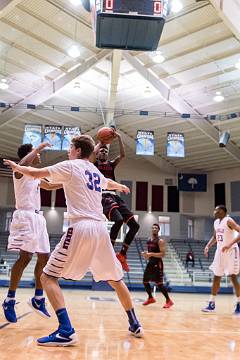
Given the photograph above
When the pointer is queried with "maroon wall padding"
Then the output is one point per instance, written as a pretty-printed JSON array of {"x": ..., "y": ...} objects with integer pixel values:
[
  {"x": 141, "y": 196},
  {"x": 60, "y": 198},
  {"x": 157, "y": 198},
  {"x": 45, "y": 197}
]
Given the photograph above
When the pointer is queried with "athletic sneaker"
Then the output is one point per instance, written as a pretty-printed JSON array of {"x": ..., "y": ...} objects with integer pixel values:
[
  {"x": 210, "y": 308},
  {"x": 39, "y": 306},
  {"x": 123, "y": 261},
  {"x": 168, "y": 304},
  {"x": 9, "y": 311},
  {"x": 59, "y": 337},
  {"x": 149, "y": 301},
  {"x": 237, "y": 309},
  {"x": 136, "y": 330}
]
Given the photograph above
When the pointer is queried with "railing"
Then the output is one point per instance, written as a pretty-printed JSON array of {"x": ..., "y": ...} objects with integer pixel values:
[
  {"x": 139, "y": 248},
  {"x": 175, "y": 261},
  {"x": 198, "y": 278},
  {"x": 4, "y": 268}
]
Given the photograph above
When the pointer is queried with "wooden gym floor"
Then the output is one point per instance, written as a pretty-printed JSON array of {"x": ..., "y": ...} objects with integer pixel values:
[{"x": 182, "y": 332}]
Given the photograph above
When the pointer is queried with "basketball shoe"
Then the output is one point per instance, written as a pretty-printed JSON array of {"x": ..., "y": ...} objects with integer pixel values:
[
  {"x": 9, "y": 311},
  {"x": 136, "y": 330},
  {"x": 123, "y": 261},
  {"x": 59, "y": 337},
  {"x": 149, "y": 301},
  {"x": 210, "y": 307},
  {"x": 39, "y": 306},
  {"x": 168, "y": 304},
  {"x": 237, "y": 309}
]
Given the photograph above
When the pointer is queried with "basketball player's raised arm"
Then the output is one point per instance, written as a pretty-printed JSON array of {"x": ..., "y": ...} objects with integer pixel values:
[
  {"x": 122, "y": 153},
  {"x": 27, "y": 170},
  {"x": 211, "y": 242},
  {"x": 93, "y": 156},
  {"x": 113, "y": 185},
  {"x": 47, "y": 185},
  {"x": 28, "y": 159}
]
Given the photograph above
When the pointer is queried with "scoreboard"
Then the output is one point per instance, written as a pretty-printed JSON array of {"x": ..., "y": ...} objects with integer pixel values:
[
  {"x": 134, "y": 7},
  {"x": 129, "y": 24}
]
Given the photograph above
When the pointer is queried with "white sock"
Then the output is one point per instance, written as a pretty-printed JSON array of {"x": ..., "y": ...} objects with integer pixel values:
[
  {"x": 238, "y": 299},
  {"x": 38, "y": 297},
  {"x": 9, "y": 299},
  {"x": 212, "y": 298}
]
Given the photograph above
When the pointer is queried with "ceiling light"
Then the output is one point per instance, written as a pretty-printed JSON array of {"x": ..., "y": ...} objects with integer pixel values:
[
  {"x": 158, "y": 57},
  {"x": 237, "y": 65},
  {"x": 77, "y": 85},
  {"x": 74, "y": 51},
  {"x": 75, "y": 2},
  {"x": 147, "y": 91},
  {"x": 176, "y": 6},
  {"x": 218, "y": 97},
  {"x": 3, "y": 84}
]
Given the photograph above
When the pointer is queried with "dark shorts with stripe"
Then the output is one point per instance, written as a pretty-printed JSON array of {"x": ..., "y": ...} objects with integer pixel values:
[
  {"x": 154, "y": 272},
  {"x": 112, "y": 201}
]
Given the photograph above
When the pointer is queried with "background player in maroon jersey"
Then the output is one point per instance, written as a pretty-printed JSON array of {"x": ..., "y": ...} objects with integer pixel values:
[
  {"x": 114, "y": 207},
  {"x": 154, "y": 270}
]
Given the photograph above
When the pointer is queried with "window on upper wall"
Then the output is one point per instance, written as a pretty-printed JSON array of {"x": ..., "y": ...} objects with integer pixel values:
[
  {"x": 190, "y": 229},
  {"x": 164, "y": 223},
  {"x": 8, "y": 220}
]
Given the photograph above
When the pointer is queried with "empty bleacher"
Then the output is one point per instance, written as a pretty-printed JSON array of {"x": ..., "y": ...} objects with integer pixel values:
[
  {"x": 175, "y": 270},
  {"x": 200, "y": 273}
]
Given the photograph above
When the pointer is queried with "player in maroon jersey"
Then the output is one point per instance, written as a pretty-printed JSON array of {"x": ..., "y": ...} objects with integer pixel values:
[
  {"x": 114, "y": 207},
  {"x": 154, "y": 270}
]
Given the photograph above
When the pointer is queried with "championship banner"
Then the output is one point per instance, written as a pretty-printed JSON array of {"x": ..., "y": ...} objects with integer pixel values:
[
  {"x": 53, "y": 135},
  {"x": 145, "y": 142},
  {"x": 32, "y": 135},
  {"x": 192, "y": 182},
  {"x": 175, "y": 145},
  {"x": 68, "y": 133}
]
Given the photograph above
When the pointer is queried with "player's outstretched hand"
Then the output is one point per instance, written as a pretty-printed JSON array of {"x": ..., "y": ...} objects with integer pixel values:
[
  {"x": 43, "y": 145},
  {"x": 124, "y": 189},
  {"x": 10, "y": 163},
  {"x": 225, "y": 248}
]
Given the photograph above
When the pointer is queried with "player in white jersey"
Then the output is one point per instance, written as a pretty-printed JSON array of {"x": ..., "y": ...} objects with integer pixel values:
[
  {"x": 28, "y": 232},
  {"x": 225, "y": 262},
  {"x": 86, "y": 245}
]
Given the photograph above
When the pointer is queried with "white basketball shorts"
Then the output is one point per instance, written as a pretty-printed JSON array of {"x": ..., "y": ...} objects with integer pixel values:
[
  {"x": 28, "y": 232},
  {"x": 226, "y": 263},
  {"x": 85, "y": 246}
]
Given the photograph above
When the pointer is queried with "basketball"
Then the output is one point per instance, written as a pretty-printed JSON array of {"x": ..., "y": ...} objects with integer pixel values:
[{"x": 106, "y": 135}]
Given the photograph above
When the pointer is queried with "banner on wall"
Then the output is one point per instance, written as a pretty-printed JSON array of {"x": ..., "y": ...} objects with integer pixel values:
[
  {"x": 68, "y": 133},
  {"x": 192, "y": 182},
  {"x": 32, "y": 134},
  {"x": 53, "y": 135},
  {"x": 175, "y": 144},
  {"x": 145, "y": 142}
]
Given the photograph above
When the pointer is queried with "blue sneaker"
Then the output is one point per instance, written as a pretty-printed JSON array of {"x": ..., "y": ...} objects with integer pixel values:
[
  {"x": 210, "y": 308},
  {"x": 136, "y": 330},
  {"x": 237, "y": 309},
  {"x": 39, "y": 306},
  {"x": 59, "y": 337},
  {"x": 9, "y": 311}
]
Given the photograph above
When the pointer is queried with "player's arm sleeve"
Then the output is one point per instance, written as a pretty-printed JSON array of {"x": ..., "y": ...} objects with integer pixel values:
[
  {"x": 61, "y": 172},
  {"x": 104, "y": 182}
]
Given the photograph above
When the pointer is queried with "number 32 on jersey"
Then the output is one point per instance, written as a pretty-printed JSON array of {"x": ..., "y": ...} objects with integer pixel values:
[{"x": 93, "y": 181}]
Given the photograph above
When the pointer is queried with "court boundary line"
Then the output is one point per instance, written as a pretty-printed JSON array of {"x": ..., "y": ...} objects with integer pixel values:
[{"x": 19, "y": 317}]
